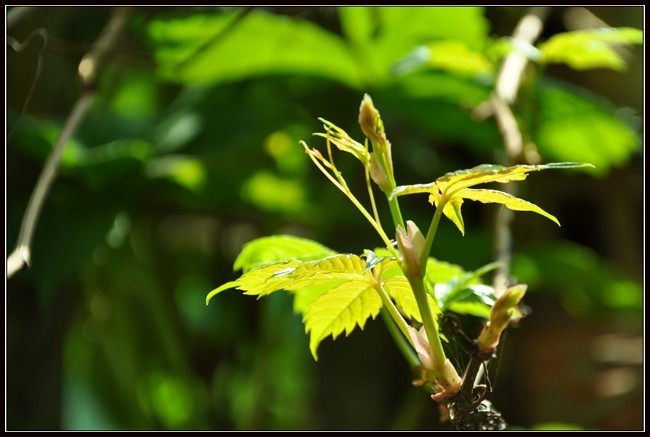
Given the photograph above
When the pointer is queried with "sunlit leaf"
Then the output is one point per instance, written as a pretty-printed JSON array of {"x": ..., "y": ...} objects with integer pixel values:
[
  {"x": 339, "y": 291},
  {"x": 304, "y": 297},
  {"x": 455, "y": 181},
  {"x": 452, "y": 211},
  {"x": 340, "y": 309},
  {"x": 332, "y": 268},
  {"x": 584, "y": 49},
  {"x": 453, "y": 187},
  {"x": 343, "y": 141},
  {"x": 260, "y": 281},
  {"x": 269, "y": 250},
  {"x": 508, "y": 200},
  {"x": 441, "y": 271}
]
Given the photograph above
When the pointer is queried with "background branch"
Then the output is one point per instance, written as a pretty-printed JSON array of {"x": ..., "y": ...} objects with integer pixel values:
[
  {"x": 87, "y": 70},
  {"x": 508, "y": 81}
]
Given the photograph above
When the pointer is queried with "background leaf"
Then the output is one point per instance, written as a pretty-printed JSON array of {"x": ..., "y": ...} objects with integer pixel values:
[
  {"x": 574, "y": 125},
  {"x": 204, "y": 49},
  {"x": 584, "y": 49}
]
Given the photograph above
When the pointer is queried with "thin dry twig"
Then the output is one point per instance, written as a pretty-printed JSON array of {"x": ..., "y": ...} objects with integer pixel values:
[
  {"x": 508, "y": 81},
  {"x": 87, "y": 70}
]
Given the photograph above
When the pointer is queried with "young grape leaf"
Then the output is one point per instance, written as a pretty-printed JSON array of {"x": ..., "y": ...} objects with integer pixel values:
[
  {"x": 294, "y": 275},
  {"x": 451, "y": 188},
  {"x": 340, "y": 309},
  {"x": 343, "y": 307},
  {"x": 336, "y": 293},
  {"x": 304, "y": 297},
  {"x": 276, "y": 248},
  {"x": 510, "y": 201},
  {"x": 344, "y": 142},
  {"x": 260, "y": 281}
]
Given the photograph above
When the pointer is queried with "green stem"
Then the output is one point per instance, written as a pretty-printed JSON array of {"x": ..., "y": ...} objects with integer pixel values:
[
  {"x": 393, "y": 312},
  {"x": 395, "y": 212},
  {"x": 431, "y": 234},
  {"x": 403, "y": 345},
  {"x": 430, "y": 325},
  {"x": 353, "y": 199}
]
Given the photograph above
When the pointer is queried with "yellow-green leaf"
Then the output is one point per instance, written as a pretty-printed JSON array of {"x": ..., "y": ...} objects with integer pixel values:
[
  {"x": 451, "y": 183},
  {"x": 342, "y": 308},
  {"x": 451, "y": 210},
  {"x": 400, "y": 290},
  {"x": 344, "y": 142},
  {"x": 304, "y": 297},
  {"x": 508, "y": 200},
  {"x": 260, "y": 281},
  {"x": 332, "y": 268},
  {"x": 276, "y": 248}
]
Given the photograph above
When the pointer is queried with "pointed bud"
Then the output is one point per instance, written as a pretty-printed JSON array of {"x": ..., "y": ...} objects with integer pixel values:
[
  {"x": 504, "y": 309},
  {"x": 410, "y": 246},
  {"x": 373, "y": 128},
  {"x": 421, "y": 345},
  {"x": 369, "y": 120}
]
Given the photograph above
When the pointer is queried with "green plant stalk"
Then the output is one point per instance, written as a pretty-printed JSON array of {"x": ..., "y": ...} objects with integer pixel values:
[
  {"x": 402, "y": 343},
  {"x": 417, "y": 285},
  {"x": 354, "y": 200},
  {"x": 430, "y": 325},
  {"x": 393, "y": 312},
  {"x": 431, "y": 234},
  {"x": 395, "y": 212}
]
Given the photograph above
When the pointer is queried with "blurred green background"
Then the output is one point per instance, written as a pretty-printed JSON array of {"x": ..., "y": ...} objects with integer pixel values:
[{"x": 190, "y": 149}]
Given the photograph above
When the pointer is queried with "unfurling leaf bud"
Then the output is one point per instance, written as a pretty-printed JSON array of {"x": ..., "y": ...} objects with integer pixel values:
[
  {"x": 410, "y": 246},
  {"x": 504, "y": 309},
  {"x": 369, "y": 120},
  {"x": 373, "y": 128}
]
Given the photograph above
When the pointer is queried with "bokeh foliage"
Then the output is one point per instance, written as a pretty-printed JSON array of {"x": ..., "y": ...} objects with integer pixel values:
[{"x": 191, "y": 149}]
